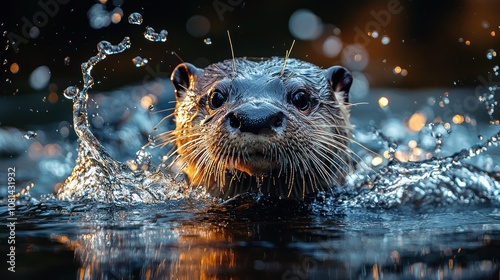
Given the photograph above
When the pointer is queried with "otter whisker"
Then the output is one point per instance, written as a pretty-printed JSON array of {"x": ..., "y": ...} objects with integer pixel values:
[
  {"x": 287, "y": 55},
  {"x": 232, "y": 52},
  {"x": 178, "y": 57}
]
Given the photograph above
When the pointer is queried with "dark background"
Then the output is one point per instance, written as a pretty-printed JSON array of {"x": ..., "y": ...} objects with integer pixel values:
[{"x": 424, "y": 40}]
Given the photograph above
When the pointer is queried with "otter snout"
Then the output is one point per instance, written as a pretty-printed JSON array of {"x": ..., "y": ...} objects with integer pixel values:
[{"x": 257, "y": 118}]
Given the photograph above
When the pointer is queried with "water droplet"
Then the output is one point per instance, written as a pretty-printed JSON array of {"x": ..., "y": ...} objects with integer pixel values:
[
  {"x": 5, "y": 61},
  {"x": 151, "y": 108},
  {"x": 30, "y": 135},
  {"x": 374, "y": 34},
  {"x": 207, "y": 41},
  {"x": 139, "y": 61},
  {"x": 71, "y": 92},
  {"x": 491, "y": 54},
  {"x": 485, "y": 24},
  {"x": 135, "y": 18},
  {"x": 480, "y": 137},
  {"x": 67, "y": 60},
  {"x": 152, "y": 36},
  {"x": 106, "y": 48}
]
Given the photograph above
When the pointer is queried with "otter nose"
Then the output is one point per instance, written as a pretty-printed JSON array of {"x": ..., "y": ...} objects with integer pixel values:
[{"x": 256, "y": 118}]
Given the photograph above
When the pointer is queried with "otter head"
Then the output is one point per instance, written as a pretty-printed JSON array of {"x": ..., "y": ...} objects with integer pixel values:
[{"x": 243, "y": 124}]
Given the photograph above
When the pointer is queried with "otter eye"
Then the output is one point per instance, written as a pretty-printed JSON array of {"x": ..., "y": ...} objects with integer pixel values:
[
  {"x": 301, "y": 100},
  {"x": 217, "y": 99}
]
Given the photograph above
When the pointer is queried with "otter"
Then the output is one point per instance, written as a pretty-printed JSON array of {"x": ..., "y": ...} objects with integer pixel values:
[{"x": 277, "y": 126}]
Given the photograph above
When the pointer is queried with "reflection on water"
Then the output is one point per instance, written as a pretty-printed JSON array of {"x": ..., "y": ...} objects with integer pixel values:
[{"x": 194, "y": 239}]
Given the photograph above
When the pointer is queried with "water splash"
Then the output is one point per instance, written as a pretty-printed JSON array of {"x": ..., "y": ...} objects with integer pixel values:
[
  {"x": 97, "y": 176},
  {"x": 436, "y": 182}
]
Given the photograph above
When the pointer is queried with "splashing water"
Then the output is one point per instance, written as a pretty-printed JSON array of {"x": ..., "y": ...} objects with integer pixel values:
[{"x": 97, "y": 176}]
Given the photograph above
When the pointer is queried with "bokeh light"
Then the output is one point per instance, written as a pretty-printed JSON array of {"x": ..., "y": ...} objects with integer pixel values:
[
  {"x": 14, "y": 68},
  {"x": 383, "y": 101},
  {"x": 305, "y": 25},
  {"x": 458, "y": 119},
  {"x": 332, "y": 46},
  {"x": 40, "y": 77},
  {"x": 148, "y": 100},
  {"x": 354, "y": 57},
  {"x": 198, "y": 26},
  {"x": 417, "y": 122}
]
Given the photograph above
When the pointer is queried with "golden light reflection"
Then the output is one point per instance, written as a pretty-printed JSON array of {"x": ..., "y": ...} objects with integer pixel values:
[
  {"x": 383, "y": 101},
  {"x": 375, "y": 272},
  {"x": 148, "y": 100},
  {"x": 458, "y": 119},
  {"x": 116, "y": 18},
  {"x": 412, "y": 144},
  {"x": 467, "y": 42},
  {"x": 401, "y": 156},
  {"x": 386, "y": 154},
  {"x": 376, "y": 161},
  {"x": 417, "y": 122},
  {"x": 417, "y": 152},
  {"x": 397, "y": 70},
  {"x": 492, "y": 33},
  {"x": 194, "y": 256},
  {"x": 14, "y": 68}
]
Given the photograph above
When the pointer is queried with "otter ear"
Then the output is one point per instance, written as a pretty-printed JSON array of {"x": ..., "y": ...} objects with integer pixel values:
[
  {"x": 340, "y": 80},
  {"x": 183, "y": 78}
]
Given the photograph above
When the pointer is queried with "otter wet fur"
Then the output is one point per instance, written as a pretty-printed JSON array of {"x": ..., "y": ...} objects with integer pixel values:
[{"x": 278, "y": 126}]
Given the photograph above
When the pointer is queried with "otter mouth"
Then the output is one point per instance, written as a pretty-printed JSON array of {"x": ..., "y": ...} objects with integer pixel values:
[{"x": 255, "y": 163}]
